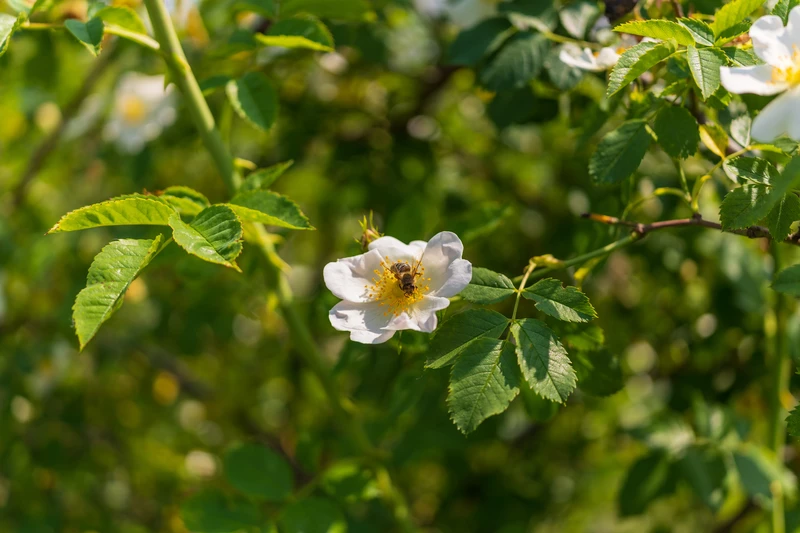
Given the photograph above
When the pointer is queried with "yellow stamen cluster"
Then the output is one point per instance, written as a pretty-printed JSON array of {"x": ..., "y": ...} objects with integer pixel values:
[
  {"x": 133, "y": 109},
  {"x": 790, "y": 74},
  {"x": 387, "y": 290}
]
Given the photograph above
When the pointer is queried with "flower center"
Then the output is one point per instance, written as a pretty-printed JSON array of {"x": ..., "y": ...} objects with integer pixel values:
[
  {"x": 789, "y": 74},
  {"x": 397, "y": 285},
  {"x": 133, "y": 109}
]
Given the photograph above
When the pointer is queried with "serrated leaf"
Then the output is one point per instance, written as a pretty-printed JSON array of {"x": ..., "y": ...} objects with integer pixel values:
[
  {"x": 739, "y": 57},
  {"x": 214, "y": 235},
  {"x": 339, "y": 10},
  {"x": 132, "y": 210},
  {"x": 460, "y": 331},
  {"x": 8, "y": 25},
  {"x": 782, "y": 9},
  {"x": 635, "y": 61},
  {"x": 793, "y": 422},
  {"x": 254, "y": 99},
  {"x": 123, "y": 17},
  {"x": 752, "y": 169},
  {"x": 475, "y": 43},
  {"x": 780, "y": 219},
  {"x": 269, "y": 208},
  {"x": 648, "y": 478},
  {"x": 702, "y": 33},
  {"x": 482, "y": 384},
  {"x": 578, "y": 17},
  {"x": 748, "y": 204},
  {"x": 563, "y": 76},
  {"x": 787, "y": 281},
  {"x": 263, "y": 178},
  {"x": 259, "y": 472},
  {"x": 543, "y": 360},
  {"x": 487, "y": 287},
  {"x": 733, "y": 13},
  {"x": 306, "y": 32},
  {"x": 704, "y": 64},
  {"x": 677, "y": 131},
  {"x": 599, "y": 372},
  {"x": 111, "y": 273},
  {"x": 516, "y": 63},
  {"x": 312, "y": 515},
  {"x": 564, "y": 303},
  {"x": 619, "y": 153},
  {"x": 657, "y": 29},
  {"x": 185, "y": 200},
  {"x": 89, "y": 33},
  {"x": 210, "y": 511}
]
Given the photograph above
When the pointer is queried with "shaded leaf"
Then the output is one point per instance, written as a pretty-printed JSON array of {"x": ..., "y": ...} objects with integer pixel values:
[
  {"x": 340, "y": 9},
  {"x": 677, "y": 131},
  {"x": 780, "y": 219},
  {"x": 635, "y": 61},
  {"x": 132, "y": 210},
  {"x": 89, "y": 34},
  {"x": 482, "y": 384},
  {"x": 269, "y": 208},
  {"x": 487, "y": 287},
  {"x": 647, "y": 479},
  {"x": 259, "y": 472},
  {"x": 111, "y": 273},
  {"x": 475, "y": 43},
  {"x": 748, "y": 204},
  {"x": 8, "y": 25},
  {"x": 263, "y": 178},
  {"x": 758, "y": 469},
  {"x": 793, "y": 422},
  {"x": 577, "y": 17},
  {"x": 254, "y": 99},
  {"x": 461, "y": 330},
  {"x": 564, "y": 303},
  {"x": 619, "y": 153},
  {"x": 312, "y": 515},
  {"x": 543, "y": 360},
  {"x": 787, "y": 281},
  {"x": 214, "y": 235},
  {"x": 516, "y": 63},
  {"x": 705, "y": 64},
  {"x": 598, "y": 372},
  {"x": 210, "y": 511},
  {"x": 705, "y": 471}
]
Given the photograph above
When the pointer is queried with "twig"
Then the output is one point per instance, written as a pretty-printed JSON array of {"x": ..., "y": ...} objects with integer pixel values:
[{"x": 41, "y": 154}]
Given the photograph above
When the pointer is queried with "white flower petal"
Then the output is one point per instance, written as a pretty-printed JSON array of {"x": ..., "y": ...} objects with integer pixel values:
[
  {"x": 346, "y": 277},
  {"x": 442, "y": 262},
  {"x": 607, "y": 58},
  {"x": 780, "y": 117},
  {"x": 370, "y": 337},
  {"x": 792, "y": 35},
  {"x": 395, "y": 249},
  {"x": 350, "y": 316},
  {"x": 421, "y": 316},
  {"x": 753, "y": 80},
  {"x": 573, "y": 56},
  {"x": 771, "y": 42}
]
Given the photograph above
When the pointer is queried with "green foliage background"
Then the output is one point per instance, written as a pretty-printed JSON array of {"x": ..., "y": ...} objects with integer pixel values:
[{"x": 196, "y": 370}]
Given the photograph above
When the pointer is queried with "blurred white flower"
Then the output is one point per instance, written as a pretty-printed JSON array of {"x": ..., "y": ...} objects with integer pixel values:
[
  {"x": 375, "y": 304},
  {"x": 142, "y": 109},
  {"x": 462, "y": 13},
  {"x": 779, "y": 48},
  {"x": 586, "y": 59},
  {"x": 180, "y": 11}
]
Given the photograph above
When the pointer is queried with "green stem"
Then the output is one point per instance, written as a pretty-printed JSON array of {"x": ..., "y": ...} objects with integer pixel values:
[
  {"x": 181, "y": 73},
  {"x": 778, "y": 388},
  {"x": 525, "y": 276}
]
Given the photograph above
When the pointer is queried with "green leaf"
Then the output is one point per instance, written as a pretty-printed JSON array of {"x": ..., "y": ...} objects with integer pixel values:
[
  {"x": 482, "y": 384},
  {"x": 254, "y": 99},
  {"x": 210, "y": 511},
  {"x": 543, "y": 360},
  {"x": 8, "y": 25},
  {"x": 350, "y": 482},
  {"x": 265, "y": 8},
  {"x": 658, "y": 29},
  {"x": 563, "y": 76},
  {"x": 259, "y": 472},
  {"x": 752, "y": 169},
  {"x": 185, "y": 200},
  {"x": 578, "y": 17},
  {"x": 677, "y": 131},
  {"x": 124, "y": 17},
  {"x": 704, "y": 63},
  {"x": 619, "y": 153},
  {"x": 733, "y": 13},
  {"x": 793, "y": 422},
  {"x": 263, "y": 178},
  {"x": 564, "y": 303},
  {"x": 741, "y": 58},
  {"x": 461, "y": 330},
  {"x": 516, "y": 63},
  {"x": 487, "y": 287},
  {"x": 758, "y": 470},
  {"x": 583, "y": 337},
  {"x": 111, "y": 273},
  {"x": 473, "y": 44},
  {"x": 599, "y": 372},
  {"x": 89, "y": 34},
  {"x": 701, "y": 32},
  {"x": 780, "y": 219},
  {"x": 648, "y": 478},
  {"x": 787, "y": 281},
  {"x": 132, "y": 210},
  {"x": 748, "y": 204},
  {"x": 782, "y": 9},
  {"x": 214, "y": 235},
  {"x": 269, "y": 208},
  {"x": 635, "y": 61},
  {"x": 306, "y": 32},
  {"x": 353, "y": 10},
  {"x": 524, "y": 14},
  {"x": 312, "y": 515},
  {"x": 714, "y": 138},
  {"x": 705, "y": 471}
]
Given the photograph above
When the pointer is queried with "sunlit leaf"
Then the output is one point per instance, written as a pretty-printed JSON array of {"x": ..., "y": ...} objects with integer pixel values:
[
  {"x": 129, "y": 210},
  {"x": 563, "y": 303},
  {"x": 269, "y": 208},
  {"x": 214, "y": 235},
  {"x": 543, "y": 360},
  {"x": 306, "y": 32},
  {"x": 487, "y": 287},
  {"x": 658, "y": 29}
]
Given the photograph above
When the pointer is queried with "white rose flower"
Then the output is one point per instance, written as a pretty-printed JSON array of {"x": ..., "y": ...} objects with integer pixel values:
[
  {"x": 374, "y": 303},
  {"x": 585, "y": 59},
  {"x": 142, "y": 109},
  {"x": 779, "y": 48}
]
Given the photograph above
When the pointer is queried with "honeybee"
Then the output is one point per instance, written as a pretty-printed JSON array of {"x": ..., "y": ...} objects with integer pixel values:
[{"x": 406, "y": 276}]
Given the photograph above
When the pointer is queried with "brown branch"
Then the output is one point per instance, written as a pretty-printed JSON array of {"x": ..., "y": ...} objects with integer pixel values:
[{"x": 752, "y": 232}]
